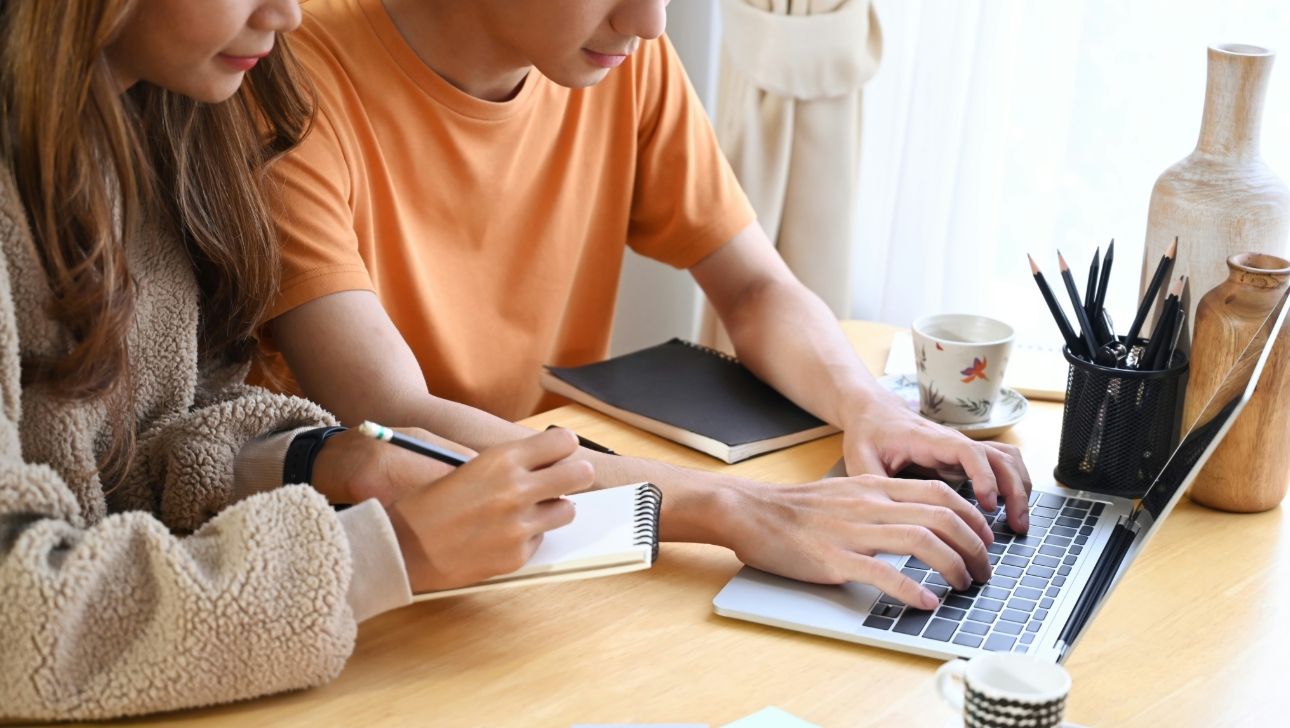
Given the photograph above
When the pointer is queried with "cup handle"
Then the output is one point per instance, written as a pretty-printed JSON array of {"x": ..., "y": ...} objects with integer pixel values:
[{"x": 951, "y": 693}]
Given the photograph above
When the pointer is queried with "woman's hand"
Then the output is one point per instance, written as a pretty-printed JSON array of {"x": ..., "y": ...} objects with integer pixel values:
[
  {"x": 352, "y": 467},
  {"x": 488, "y": 517}
]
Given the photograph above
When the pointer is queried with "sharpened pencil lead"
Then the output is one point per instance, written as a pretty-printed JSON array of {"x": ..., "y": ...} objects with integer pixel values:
[
  {"x": 1034, "y": 268},
  {"x": 1173, "y": 248},
  {"x": 1062, "y": 261}
]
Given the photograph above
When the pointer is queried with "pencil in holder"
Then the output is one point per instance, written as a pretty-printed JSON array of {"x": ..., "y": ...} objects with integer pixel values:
[{"x": 1119, "y": 426}]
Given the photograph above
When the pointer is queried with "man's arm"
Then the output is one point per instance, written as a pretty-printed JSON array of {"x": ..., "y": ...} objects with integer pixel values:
[
  {"x": 347, "y": 355},
  {"x": 787, "y": 336}
]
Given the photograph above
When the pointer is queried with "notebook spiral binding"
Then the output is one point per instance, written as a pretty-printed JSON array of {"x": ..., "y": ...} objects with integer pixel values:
[
  {"x": 708, "y": 349},
  {"x": 649, "y": 505}
]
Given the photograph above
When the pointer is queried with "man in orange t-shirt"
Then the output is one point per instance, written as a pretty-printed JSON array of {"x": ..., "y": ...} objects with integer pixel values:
[{"x": 457, "y": 218}]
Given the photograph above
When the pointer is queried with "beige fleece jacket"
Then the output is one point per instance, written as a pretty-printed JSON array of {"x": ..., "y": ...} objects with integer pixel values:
[{"x": 164, "y": 593}]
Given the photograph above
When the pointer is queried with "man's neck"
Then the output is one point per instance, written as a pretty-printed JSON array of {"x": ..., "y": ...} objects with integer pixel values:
[{"x": 452, "y": 37}]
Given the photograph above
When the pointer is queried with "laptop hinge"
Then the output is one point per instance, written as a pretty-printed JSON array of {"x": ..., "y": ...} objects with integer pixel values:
[{"x": 1112, "y": 556}]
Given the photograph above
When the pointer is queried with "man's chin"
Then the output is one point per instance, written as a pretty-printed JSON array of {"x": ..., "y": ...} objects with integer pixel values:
[{"x": 583, "y": 77}]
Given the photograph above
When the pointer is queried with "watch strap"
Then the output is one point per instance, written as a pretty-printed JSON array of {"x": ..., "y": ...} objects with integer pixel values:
[{"x": 298, "y": 465}]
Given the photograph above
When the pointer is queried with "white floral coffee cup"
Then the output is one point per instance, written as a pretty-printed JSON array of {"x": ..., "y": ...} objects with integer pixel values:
[
  {"x": 961, "y": 359},
  {"x": 1000, "y": 690}
]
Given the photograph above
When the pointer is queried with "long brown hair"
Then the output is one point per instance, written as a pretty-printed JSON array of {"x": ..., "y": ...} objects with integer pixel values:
[{"x": 91, "y": 164}]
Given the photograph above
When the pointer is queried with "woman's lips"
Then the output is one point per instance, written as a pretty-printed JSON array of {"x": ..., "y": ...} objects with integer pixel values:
[
  {"x": 605, "y": 61},
  {"x": 242, "y": 63}
]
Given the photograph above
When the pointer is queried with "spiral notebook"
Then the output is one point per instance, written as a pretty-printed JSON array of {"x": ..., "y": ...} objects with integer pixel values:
[
  {"x": 615, "y": 531},
  {"x": 691, "y": 395}
]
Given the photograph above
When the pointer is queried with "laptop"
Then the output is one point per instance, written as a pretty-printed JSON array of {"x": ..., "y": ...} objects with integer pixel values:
[{"x": 1047, "y": 586}]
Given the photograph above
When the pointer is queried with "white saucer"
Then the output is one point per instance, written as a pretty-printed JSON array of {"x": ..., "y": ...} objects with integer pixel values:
[
  {"x": 957, "y": 722},
  {"x": 1011, "y": 408}
]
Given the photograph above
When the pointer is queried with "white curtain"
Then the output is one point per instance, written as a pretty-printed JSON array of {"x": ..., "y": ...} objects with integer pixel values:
[{"x": 1005, "y": 127}]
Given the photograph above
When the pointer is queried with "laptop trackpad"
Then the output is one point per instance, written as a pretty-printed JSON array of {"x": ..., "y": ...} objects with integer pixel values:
[{"x": 840, "y": 608}]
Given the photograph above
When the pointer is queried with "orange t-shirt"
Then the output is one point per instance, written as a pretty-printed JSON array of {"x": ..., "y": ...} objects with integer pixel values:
[{"x": 492, "y": 233}]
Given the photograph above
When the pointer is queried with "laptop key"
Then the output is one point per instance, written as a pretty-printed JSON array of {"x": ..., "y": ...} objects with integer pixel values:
[
  {"x": 940, "y": 630},
  {"x": 980, "y": 615},
  {"x": 1041, "y": 522},
  {"x": 1012, "y": 615},
  {"x": 1040, "y": 615},
  {"x": 1076, "y": 502},
  {"x": 1026, "y": 592},
  {"x": 1024, "y": 605},
  {"x": 1070, "y": 522},
  {"x": 879, "y": 609},
  {"x": 1033, "y": 627},
  {"x": 914, "y": 563},
  {"x": 889, "y": 599},
  {"x": 1053, "y": 591},
  {"x": 1081, "y": 540},
  {"x": 1014, "y": 560},
  {"x": 994, "y": 592},
  {"x": 1034, "y": 496},
  {"x": 992, "y": 605},
  {"x": 1098, "y": 508},
  {"x": 1064, "y": 570},
  {"x": 1059, "y": 581},
  {"x": 999, "y": 643},
  {"x": 1002, "y": 582},
  {"x": 1043, "y": 572},
  {"x": 914, "y": 574},
  {"x": 1030, "y": 541},
  {"x": 1052, "y": 551},
  {"x": 1048, "y": 561},
  {"x": 1077, "y": 550},
  {"x": 994, "y": 559},
  {"x": 1027, "y": 638},
  {"x": 951, "y": 613},
  {"x": 1036, "y": 531},
  {"x": 936, "y": 579},
  {"x": 1011, "y": 572},
  {"x": 1019, "y": 550},
  {"x": 879, "y": 622},
  {"x": 1022, "y": 649},
  {"x": 937, "y": 589},
  {"x": 1070, "y": 560},
  {"x": 1047, "y": 602},
  {"x": 1058, "y": 541},
  {"x": 1043, "y": 512},
  {"x": 970, "y": 592},
  {"x": 968, "y": 640},
  {"x": 958, "y": 602},
  {"x": 913, "y": 621},
  {"x": 1070, "y": 512},
  {"x": 1086, "y": 531},
  {"x": 1048, "y": 500},
  {"x": 1007, "y": 628},
  {"x": 1034, "y": 582},
  {"x": 974, "y": 628},
  {"x": 996, "y": 548},
  {"x": 1061, "y": 531}
]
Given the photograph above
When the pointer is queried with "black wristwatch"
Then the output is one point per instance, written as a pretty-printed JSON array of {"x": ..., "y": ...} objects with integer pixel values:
[{"x": 298, "y": 466}]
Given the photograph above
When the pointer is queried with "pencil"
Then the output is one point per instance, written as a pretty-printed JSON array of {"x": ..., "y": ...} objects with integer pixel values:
[
  {"x": 1090, "y": 295},
  {"x": 1149, "y": 296},
  {"x": 1080, "y": 316},
  {"x": 378, "y": 432},
  {"x": 1073, "y": 343},
  {"x": 1099, "y": 306},
  {"x": 1170, "y": 343},
  {"x": 1164, "y": 327}
]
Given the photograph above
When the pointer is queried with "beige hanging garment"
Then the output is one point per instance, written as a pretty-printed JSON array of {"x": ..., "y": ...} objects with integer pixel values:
[{"x": 788, "y": 119}]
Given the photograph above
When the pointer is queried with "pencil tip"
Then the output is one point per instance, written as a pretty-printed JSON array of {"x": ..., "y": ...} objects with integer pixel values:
[
  {"x": 1173, "y": 248},
  {"x": 1176, "y": 288},
  {"x": 1062, "y": 261},
  {"x": 1034, "y": 268}
]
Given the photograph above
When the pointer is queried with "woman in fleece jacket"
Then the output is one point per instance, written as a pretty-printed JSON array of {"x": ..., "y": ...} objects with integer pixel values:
[{"x": 151, "y": 557}]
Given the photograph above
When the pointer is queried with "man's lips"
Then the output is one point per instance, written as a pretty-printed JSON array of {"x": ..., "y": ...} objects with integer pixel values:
[
  {"x": 604, "y": 60},
  {"x": 242, "y": 63}
]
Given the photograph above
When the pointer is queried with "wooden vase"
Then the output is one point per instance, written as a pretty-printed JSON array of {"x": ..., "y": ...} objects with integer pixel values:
[
  {"x": 1250, "y": 470},
  {"x": 1221, "y": 199}
]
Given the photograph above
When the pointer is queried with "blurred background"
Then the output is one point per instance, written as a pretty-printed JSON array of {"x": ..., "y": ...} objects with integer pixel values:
[{"x": 994, "y": 129}]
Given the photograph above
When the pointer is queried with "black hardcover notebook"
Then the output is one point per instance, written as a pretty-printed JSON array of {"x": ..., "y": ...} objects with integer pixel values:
[{"x": 692, "y": 395}]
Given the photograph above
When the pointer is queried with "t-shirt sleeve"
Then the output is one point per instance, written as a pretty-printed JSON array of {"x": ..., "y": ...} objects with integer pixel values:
[
  {"x": 315, "y": 220},
  {"x": 686, "y": 202}
]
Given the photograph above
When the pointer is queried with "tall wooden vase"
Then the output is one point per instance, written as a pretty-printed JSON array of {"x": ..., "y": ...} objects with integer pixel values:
[
  {"x": 1250, "y": 470},
  {"x": 1221, "y": 199}
]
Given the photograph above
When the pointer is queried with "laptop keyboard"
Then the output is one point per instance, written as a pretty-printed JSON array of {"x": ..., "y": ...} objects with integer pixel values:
[{"x": 1004, "y": 614}]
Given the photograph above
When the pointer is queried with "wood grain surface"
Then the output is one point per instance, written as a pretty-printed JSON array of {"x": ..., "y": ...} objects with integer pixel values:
[{"x": 1195, "y": 636}]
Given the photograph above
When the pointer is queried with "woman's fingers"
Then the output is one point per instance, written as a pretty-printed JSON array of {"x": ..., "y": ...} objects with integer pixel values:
[
  {"x": 935, "y": 536},
  {"x": 889, "y": 580},
  {"x": 1014, "y": 483},
  {"x": 552, "y": 514},
  {"x": 573, "y": 476}
]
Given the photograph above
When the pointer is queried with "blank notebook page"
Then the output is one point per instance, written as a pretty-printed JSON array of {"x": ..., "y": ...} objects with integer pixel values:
[{"x": 602, "y": 532}]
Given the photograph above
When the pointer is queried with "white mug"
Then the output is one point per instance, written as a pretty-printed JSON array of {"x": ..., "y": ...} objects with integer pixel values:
[
  {"x": 1005, "y": 690},
  {"x": 961, "y": 359}
]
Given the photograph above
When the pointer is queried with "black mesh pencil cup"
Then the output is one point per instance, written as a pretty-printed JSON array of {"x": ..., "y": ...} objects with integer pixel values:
[{"x": 1119, "y": 426}]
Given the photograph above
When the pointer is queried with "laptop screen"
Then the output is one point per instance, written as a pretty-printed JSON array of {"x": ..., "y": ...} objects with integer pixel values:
[{"x": 1217, "y": 412}]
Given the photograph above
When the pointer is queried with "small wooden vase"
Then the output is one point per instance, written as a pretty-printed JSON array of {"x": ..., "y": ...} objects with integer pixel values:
[
  {"x": 1221, "y": 199},
  {"x": 1250, "y": 470}
]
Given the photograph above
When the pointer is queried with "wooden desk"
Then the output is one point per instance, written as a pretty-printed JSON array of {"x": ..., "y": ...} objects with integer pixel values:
[{"x": 1172, "y": 648}]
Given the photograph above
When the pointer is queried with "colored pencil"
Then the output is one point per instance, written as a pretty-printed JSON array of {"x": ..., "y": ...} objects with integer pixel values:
[
  {"x": 378, "y": 432},
  {"x": 1086, "y": 329},
  {"x": 1073, "y": 343},
  {"x": 1149, "y": 296}
]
